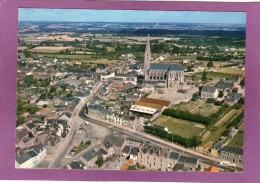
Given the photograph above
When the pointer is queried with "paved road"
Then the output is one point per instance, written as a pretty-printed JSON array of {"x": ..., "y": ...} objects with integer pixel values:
[
  {"x": 155, "y": 141},
  {"x": 76, "y": 122}
]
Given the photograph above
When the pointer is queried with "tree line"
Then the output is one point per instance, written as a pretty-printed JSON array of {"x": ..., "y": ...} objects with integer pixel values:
[{"x": 187, "y": 142}]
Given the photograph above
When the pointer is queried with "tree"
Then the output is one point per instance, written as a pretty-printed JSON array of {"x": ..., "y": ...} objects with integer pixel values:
[
  {"x": 52, "y": 89},
  {"x": 210, "y": 64},
  {"x": 204, "y": 77},
  {"x": 221, "y": 94},
  {"x": 99, "y": 161},
  {"x": 30, "y": 135}
]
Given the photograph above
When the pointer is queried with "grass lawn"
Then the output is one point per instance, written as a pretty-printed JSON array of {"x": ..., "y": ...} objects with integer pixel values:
[
  {"x": 198, "y": 106},
  {"x": 82, "y": 146},
  {"x": 180, "y": 127},
  {"x": 241, "y": 127},
  {"x": 237, "y": 141},
  {"x": 183, "y": 57},
  {"x": 214, "y": 75}
]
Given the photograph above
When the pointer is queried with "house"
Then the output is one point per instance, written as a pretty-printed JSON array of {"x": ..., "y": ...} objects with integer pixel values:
[
  {"x": 31, "y": 158},
  {"x": 232, "y": 98},
  {"x": 153, "y": 157},
  {"x": 21, "y": 134},
  {"x": 232, "y": 154},
  {"x": 102, "y": 153},
  {"x": 215, "y": 150},
  {"x": 108, "y": 147},
  {"x": 205, "y": 148},
  {"x": 173, "y": 159},
  {"x": 82, "y": 95},
  {"x": 76, "y": 165},
  {"x": 90, "y": 158},
  {"x": 126, "y": 151},
  {"x": 117, "y": 143},
  {"x": 188, "y": 163},
  {"x": 66, "y": 116},
  {"x": 41, "y": 103},
  {"x": 106, "y": 76},
  {"x": 44, "y": 112},
  {"x": 128, "y": 78},
  {"x": 97, "y": 110},
  {"x": 224, "y": 85},
  {"x": 134, "y": 154},
  {"x": 50, "y": 140},
  {"x": 209, "y": 92}
]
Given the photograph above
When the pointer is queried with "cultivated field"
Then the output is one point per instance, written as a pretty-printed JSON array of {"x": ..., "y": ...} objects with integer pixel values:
[
  {"x": 232, "y": 71},
  {"x": 199, "y": 106},
  {"x": 49, "y": 49},
  {"x": 143, "y": 38},
  {"x": 214, "y": 75},
  {"x": 39, "y": 38},
  {"x": 180, "y": 127}
]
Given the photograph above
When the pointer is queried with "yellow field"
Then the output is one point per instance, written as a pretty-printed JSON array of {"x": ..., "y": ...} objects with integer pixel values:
[
  {"x": 54, "y": 37},
  {"x": 232, "y": 71},
  {"x": 49, "y": 49}
]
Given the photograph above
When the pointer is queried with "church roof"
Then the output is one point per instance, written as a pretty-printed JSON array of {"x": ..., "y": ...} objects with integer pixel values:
[{"x": 166, "y": 66}]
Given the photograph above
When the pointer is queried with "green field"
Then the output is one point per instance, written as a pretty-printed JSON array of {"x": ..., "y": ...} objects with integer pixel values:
[
  {"x": 237, "y": 141},
  {"x": 213, "y": 75},
  {"x": 180, "y": 127},
  {"x": 183, "y": 57}
]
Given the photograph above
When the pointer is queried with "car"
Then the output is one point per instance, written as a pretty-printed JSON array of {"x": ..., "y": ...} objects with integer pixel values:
[
  {"x": 148, "y": 142},
  {"x": 67, "y": 157}
]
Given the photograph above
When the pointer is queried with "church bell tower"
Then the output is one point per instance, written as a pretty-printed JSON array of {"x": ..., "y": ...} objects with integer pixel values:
[{"x": 147, "y": 59}]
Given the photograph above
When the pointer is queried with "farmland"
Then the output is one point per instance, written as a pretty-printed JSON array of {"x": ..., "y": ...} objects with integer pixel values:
[{"x": 199, "y": 106}]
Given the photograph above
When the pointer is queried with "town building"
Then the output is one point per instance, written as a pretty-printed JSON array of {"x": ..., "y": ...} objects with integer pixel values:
[{"x": 172, "y": 74}]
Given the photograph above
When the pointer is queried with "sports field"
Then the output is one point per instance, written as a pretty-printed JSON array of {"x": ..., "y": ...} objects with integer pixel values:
[{"x": 180, "y": 127}]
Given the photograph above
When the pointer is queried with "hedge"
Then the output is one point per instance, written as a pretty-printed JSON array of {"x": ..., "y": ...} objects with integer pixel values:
[{"x": 187, "y": 142}]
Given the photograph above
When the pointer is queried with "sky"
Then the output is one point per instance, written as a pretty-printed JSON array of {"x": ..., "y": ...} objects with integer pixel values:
[{"x": 81, "y": 15}]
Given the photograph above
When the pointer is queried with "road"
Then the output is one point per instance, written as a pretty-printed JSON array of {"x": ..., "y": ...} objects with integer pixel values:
[
  {"x": 76, "y": 122},
  {"x": 158, "y": 142}
]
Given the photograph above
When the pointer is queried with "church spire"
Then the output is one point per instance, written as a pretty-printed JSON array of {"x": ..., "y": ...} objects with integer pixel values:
[{"x": 147, "y": 57}]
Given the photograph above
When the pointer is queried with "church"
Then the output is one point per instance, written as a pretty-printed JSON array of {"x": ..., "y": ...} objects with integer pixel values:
[{"x": 170, "y": 74}]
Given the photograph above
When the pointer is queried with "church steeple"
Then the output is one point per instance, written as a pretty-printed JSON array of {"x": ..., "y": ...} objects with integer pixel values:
[{"x": 147, "y": 57}]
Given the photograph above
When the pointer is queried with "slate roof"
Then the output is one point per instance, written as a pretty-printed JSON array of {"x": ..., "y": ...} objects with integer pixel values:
[
  {"x": 208, "y": 89},
  {"x": 68, "y": 114},
  {"x": 218, "y": 146},
  {"x": 187, "y": 159},
  {"x": 134, "y": 151},
  {"x": 75, "y": 165},
  {"x": 101, "y": 152},
  {"x": 126, "y": 149},
  {"x": 25, "y": 157},
  {"x": 174, "y": 155},
  {"x": 30, "y": 125},
  {"x": 231, "y": 149},
  {"x": 90, "y": 155},
  {"x": 38, "y": 148},
  {"x": 166, "y": 66},
  {"x": 223, "y": 85},
  {"x": 108, "y": 144},
  {"x": 21, "y": 133},
  {"x": 178, "y": 167}
]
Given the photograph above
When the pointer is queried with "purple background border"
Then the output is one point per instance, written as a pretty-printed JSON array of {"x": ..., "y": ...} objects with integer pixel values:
[{"x": 8, "y": 55}]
